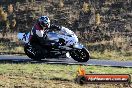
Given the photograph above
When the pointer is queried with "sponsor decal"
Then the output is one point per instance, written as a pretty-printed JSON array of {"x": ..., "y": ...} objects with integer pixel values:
[{"x": 82, "y": 78}]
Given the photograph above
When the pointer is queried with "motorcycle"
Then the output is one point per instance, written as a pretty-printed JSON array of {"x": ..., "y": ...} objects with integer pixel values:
[{"x": 57, "y": 44}]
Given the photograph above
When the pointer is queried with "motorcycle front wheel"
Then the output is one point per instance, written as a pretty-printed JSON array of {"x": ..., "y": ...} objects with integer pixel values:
[{"x": 80, "y": 55}]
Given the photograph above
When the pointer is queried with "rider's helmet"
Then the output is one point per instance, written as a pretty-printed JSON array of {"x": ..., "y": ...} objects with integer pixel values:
[{"x": 44, "y": 21}]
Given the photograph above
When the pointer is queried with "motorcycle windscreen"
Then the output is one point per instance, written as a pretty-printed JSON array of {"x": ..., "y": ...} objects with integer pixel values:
[
  {"x": 23, "y": 37},
  {"x": 52, "y": 36}
]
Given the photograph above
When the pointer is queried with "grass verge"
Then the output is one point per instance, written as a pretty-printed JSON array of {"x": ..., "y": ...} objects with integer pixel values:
[
  {"x": 51, "y": 76},
  {"x": 10, "y": 48},
  {"x": 107, "y": 50},
  {"x": 112, "y": 55}
]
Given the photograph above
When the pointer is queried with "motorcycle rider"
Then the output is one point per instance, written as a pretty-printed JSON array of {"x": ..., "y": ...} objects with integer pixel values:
[{"x": 39, "y": 29}]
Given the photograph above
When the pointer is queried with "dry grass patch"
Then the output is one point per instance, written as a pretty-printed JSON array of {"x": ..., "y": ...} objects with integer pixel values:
[{"x": 52, "y": 76}]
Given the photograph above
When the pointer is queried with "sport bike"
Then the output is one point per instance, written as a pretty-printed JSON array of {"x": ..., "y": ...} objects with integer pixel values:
[{"x": 56, "y": 44}]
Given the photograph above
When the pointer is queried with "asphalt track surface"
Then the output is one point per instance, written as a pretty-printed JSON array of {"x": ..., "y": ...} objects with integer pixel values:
[{"x": 69, "y": 61}]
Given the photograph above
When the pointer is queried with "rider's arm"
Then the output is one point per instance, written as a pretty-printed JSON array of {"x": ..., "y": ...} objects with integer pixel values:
[{"x": 55, "y": 27}]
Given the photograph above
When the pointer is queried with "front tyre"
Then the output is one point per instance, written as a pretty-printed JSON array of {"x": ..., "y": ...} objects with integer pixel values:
[{"x": 80, "y": 55}]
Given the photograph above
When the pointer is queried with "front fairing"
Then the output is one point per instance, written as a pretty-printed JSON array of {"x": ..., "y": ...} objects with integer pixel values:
[
  {"x": 66, "y": 34},
  {"x": 78, "y": 46}
]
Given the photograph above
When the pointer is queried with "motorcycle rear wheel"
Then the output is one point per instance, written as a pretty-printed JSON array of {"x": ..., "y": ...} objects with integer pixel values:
[
  {"x": 80, "y": 55},
  {"x": 32, "y": 53}
]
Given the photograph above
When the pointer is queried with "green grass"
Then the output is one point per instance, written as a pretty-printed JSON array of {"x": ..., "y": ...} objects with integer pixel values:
[{"x": 51, "y": 76}]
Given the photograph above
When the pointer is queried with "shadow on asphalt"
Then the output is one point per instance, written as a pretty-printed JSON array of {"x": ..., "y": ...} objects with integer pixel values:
[
  {"x": 28, "y": 61},
  {"x": 5, "y": 59}
]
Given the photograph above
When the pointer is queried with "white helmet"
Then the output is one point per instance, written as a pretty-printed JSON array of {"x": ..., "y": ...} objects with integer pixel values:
[{"x": 44, "y": 21}]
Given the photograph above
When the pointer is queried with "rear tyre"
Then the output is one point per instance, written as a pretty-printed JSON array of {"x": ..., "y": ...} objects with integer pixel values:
[
  {"x": 28, "y": 51},
  {"x": 80, "y": 55},
  {"x": 33, "y": 53}
]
